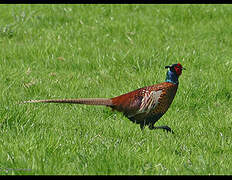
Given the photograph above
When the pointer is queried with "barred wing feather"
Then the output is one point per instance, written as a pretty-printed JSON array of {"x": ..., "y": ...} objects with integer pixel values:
[{"x": 149, "y": 101}]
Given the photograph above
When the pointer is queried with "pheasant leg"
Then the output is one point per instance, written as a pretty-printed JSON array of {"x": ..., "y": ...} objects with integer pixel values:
[{"x": 168, "y": 129}]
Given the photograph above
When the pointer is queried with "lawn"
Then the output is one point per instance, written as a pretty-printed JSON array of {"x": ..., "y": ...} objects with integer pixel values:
[{"x": 75, "y": 51}]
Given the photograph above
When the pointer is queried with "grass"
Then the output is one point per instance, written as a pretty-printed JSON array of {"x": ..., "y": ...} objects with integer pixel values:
[{"x": 74, "y": 51}]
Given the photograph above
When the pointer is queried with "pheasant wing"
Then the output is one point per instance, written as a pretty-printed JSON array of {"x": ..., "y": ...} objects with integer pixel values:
[
  {"x": 149, "y": 101},
  {"x": 140, "y": 101}
]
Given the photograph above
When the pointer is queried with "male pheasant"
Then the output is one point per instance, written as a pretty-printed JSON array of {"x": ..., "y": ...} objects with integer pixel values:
[{"x": 144, "y": 106}]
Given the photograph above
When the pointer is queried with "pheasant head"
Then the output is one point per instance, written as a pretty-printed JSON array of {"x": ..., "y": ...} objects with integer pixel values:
[{"x": 173, "y": 73}]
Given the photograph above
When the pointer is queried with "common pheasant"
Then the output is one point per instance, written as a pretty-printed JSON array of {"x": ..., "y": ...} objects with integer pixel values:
[{"x": 144, "y": 106}]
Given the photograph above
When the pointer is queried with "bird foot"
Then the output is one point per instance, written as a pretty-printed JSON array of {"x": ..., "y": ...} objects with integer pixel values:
[{"x": 168, "y": 129}]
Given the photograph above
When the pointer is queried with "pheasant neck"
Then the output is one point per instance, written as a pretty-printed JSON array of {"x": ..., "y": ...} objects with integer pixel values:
[{"x": 171, "y": 77}]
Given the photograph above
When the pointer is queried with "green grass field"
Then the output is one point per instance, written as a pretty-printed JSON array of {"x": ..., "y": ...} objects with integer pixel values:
[{"x": 75, "y": 51}]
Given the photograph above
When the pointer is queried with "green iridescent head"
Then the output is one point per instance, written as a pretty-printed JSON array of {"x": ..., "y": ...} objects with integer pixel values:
[{"x": 173, "y": 73}]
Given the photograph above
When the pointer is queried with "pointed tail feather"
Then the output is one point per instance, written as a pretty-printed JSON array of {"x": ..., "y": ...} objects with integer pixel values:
[{"x": 87, "y": 101}]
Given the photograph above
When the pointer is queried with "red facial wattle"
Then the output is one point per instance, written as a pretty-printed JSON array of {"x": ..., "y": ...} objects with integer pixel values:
[{"x": 178, "y": 69}]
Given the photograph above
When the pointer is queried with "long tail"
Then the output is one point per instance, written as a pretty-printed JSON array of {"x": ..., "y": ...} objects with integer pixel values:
[{"x": 88, "y": 101}]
